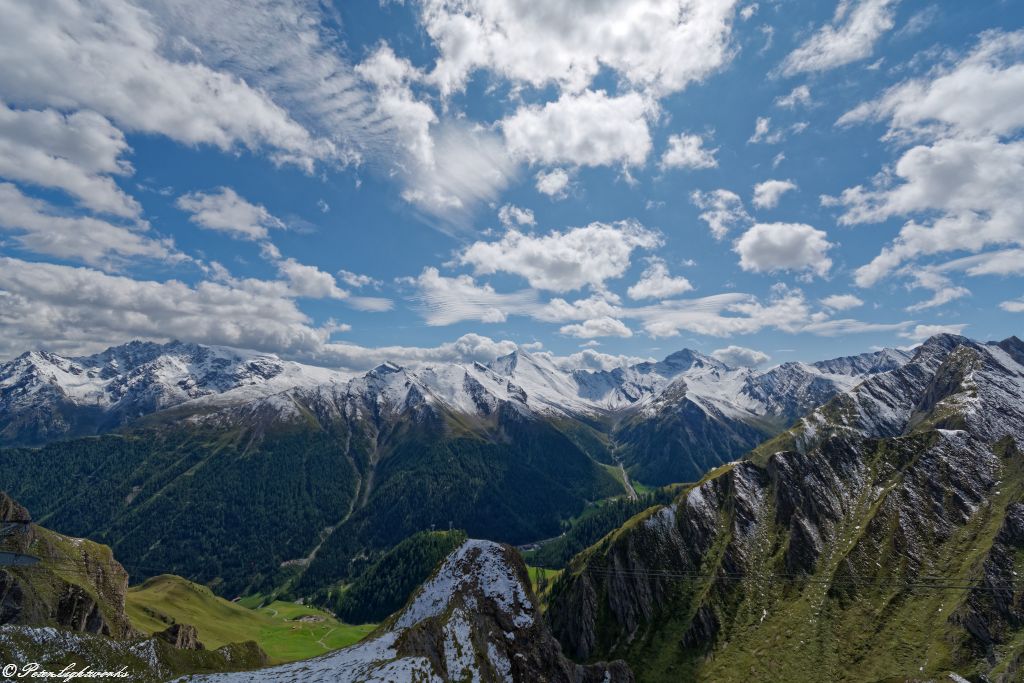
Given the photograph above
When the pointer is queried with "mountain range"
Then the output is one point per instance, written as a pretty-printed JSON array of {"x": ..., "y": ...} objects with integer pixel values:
[
  {"x": 246, "y": 472},
  {"x": 878, "y": 537}
]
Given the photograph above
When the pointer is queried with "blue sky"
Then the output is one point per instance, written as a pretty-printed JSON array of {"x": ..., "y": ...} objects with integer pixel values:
[{"x": 442, "y": 180}]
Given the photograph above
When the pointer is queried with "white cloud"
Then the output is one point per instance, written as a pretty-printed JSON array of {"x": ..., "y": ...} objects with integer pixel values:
[
  {"x": 800, "y": 96},
  {"x": 225, "y": 211},
  {"x": 589, "y": 359},
  {"x": 512, "y": 216},
  {"x": 73, "y": 308},
  {"x": 76, "y": 153},
  {"x": 941, "y": 297},
  {"x": 1013, "y": 305},
  {"x": 768, "y": 193},
  {"x": 850, "y": 37},
  {"x": 922, "y": 332},
  {"x": 1000, "y": 262},
  {"x": 468, "y": 348},
  {"x": 977, "y": 95},
  {"x": 846, "y": 326},
  {"x": 722, "y": 210},
  {"x": 588, "y": 129},
  {"x": 598, "y": 305},
  {"x": 723, "y": 315},
  {"x": 563, "y": 261},
  {"x": 842, "y": 302},
  {"x": 553, "y": 183},
  {"x": 469, "y": 168},
  {"x": 101, "y": 55},
  {"x": 740, "y": 356},
  {"x": 943, "y": 289},
  {"x": 358, "y": 280},
  {"x": 771, "y": 247},
  {"x": 44, "y": 229},
  {"x": 309, "y": 281},
  {"x": 959, "y": 185},
  {"x": 970, "y": 183},
  {"x": 655, "y": 45},
  {"x": 447, "y": 300},
  {"x": 748, "y": 11},
  {"x": 597, "y": 327},
  {"x": 657, "y": 283},
  {"x": 763, "y": 132},
  {"x": 687, "y": 151}
]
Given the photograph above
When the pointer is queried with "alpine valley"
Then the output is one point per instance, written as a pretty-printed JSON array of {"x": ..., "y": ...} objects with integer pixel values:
[{"x": 854, "y": 519}]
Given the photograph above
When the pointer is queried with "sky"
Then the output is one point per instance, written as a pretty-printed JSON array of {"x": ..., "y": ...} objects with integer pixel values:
[{"x": 444, "y": 180}]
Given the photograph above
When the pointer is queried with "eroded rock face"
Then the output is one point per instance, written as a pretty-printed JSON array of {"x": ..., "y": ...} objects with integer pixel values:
[
  {"x": 474, "y": 620},
  {"x": 181, "y": 637},
  {"x": 890, "y": 521},
  {"x": 76, "y": 586}
]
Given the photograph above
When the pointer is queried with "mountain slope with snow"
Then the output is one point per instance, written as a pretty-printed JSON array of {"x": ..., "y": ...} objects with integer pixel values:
[
  {"x": 475, "y": 619},
  {"x": 881, "y": 538}
]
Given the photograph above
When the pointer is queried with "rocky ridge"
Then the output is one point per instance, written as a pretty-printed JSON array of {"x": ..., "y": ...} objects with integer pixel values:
[
  {"x": 880, "y": 538},
  {"x": 475, "y": 619}
]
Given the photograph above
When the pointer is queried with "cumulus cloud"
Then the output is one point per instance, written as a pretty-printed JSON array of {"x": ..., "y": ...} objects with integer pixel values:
[
  {"x": 74, "y": 308},
  {"x": 851, "y": 36},
  {"x": 76, "y": 153},
  {"x": 723, "y": 315},
  {"x": 722, "y": 210},
  {"x": 101, "y": 55},
  {"x": 657, "y": 283},
  {"x": 741, "y": 356},
  {"x": 657, "y": 46},
  {"x": 799, "y": 96},
  {"x": 687, "y": 151},
  {"x": 600, "y": 304},
  {"x": 942, "y": 287},
  {"x": 563, "y": 261},
  {"x": 763, "y": 132},
  {"x": 447, "y": 300},
  {"x": 512, "y": 216},
  {"x": 1013, "y": 305},
  {"x": 553, "y": 183},
  {"x": 959, "y": 185},
  {"x": 970, "y": 183},
  {"x": 842, "y": 302},
  {"x": 357, "y": 280},
  {"x": 309, "y": 281},
  {"x": 597, "y": 327},
  {"x": 771, "y": 247},
  {"x": 977, "y": 95},
  {"x": 45, "y": 229},
  {"x": 768, "y": 193},
  {"x": 919, "y": 333},
  {"x": 588, "y": 129},
  {"x": 224, "y": 211},
  {"x": 589, "y": 359}
]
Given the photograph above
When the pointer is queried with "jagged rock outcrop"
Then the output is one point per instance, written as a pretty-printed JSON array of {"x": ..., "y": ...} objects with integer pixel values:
[
  {"x": 474, "y": 619},
  {"x": 879, "y": 539},
  {"x": 70, "y": 607},
  {"x": 76, "y": 586},
  {"x": 181, "y": 637}
]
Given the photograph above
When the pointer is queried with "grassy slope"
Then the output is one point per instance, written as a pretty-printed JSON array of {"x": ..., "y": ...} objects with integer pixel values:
[
  {"x": 162, "y": 600},
  {"x": 781, "y": 631}
]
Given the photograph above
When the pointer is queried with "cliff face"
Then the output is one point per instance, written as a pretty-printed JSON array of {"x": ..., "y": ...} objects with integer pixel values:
[
  {"x": 474, "y": 619},
  {"x": 76, "y": 586},
  {"x": 879, "y": 538},
  {"x": 69, "y": 608}
]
